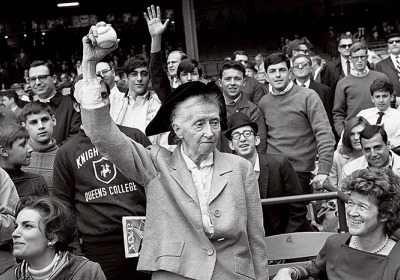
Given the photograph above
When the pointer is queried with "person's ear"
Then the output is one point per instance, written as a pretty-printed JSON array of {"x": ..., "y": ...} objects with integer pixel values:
[
  {"x": 53, "y": 118},
  {"x": 76, "y": 106},
  {"x": 257, "y": 140},
  {"x": 231, "y": 146},
  {"x": 177, "y": 130},
  {"x": 3, "y": 151},
  {"x": 372, "y": 99},
  {"x": 392, "y": 97},
  {"x": 23, "y": 124},
  {"x": 219, "y": 83},
  {"x": 244, "y": 81}
]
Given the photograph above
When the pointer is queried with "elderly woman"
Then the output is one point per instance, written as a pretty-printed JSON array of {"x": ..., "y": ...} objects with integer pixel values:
[
  {"x": 44, "y": 227},
  {"x": 204, "y": 217},
  {"x": 367, "y": 251},
  {"x": 349, "y": 150}
]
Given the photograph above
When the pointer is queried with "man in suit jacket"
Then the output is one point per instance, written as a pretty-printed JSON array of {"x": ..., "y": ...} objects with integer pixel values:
[
  {"x": 302, "y": 71},
  {"x": 276, "y": 177},
  {"x": 390, "y": 66},
  {"x": 340, "y": 67}
]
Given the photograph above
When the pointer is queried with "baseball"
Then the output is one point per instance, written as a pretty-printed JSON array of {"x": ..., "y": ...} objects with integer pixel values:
[{"x": 106, "y": 36}]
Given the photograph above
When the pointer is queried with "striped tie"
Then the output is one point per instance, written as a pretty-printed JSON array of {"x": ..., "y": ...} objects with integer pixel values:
[{"x": 398, "y": 66}]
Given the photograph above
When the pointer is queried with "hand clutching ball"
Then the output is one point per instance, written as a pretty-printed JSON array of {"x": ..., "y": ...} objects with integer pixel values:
[{"x": 106, "y": 36}]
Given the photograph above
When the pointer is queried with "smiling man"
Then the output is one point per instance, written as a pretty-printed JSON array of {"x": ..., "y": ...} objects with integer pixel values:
[
  {"x": 298, "y": 126},
  {"x": 376, "y": 153}
]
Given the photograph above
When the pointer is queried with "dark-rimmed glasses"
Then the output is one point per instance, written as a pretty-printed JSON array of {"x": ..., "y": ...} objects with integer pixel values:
[
  {"x": 246, "y": 133},
  {"x": 41, "y": 78},
  {"x": 345, "y": 46},
  {"x": 103, "y": 72},
  {"x": 394, "y": 41}
]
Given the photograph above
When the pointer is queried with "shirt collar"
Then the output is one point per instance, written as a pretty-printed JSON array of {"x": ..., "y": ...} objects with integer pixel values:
[
  {"x": 307, "y": 83},
  {"x": 233, "y": 102},
  {"x": 359, "y": 74},
  {"x": 46, "y": 100},
  {"x": 289, "y": 87},
  {"x": 208, "y": 161}
]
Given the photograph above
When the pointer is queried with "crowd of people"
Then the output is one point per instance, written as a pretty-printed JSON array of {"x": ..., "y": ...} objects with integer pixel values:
[{"x": 196, "y": 157}]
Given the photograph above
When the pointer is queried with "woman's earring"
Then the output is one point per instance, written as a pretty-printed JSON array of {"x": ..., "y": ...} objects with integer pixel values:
[{"x": 49, "y": 244}]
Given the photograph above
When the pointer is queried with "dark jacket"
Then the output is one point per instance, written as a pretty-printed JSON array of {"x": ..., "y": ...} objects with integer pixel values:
[
  {"x": 387, "y": 67},
  {"x": 332, "y": 73},
  {"x": 278, "y": 178}
]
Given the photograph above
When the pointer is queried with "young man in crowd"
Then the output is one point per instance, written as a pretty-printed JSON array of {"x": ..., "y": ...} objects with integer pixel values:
[
  {"x": 298, "y": 126},
  {"x": 276, "y": 177},
  {"x": 39, "y": 120}
]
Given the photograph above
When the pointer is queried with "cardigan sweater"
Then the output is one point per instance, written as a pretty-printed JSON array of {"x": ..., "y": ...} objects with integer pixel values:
[{"x": 298, "y": 127}]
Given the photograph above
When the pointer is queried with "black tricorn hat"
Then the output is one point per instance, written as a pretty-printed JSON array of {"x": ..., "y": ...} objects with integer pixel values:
[
  {"x": 239, "y": 119},
  {"x": 162, "y": 120}
]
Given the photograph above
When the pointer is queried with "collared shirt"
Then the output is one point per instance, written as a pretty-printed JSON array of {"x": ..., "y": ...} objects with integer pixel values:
[
  {"x": 390, "y": 120},
  {"x": 316, "y": 72},
  {"x": 393, "y": 58},
  {"x": 202, "y": 182},
  {"x": 289, "y": 87},
  {"x": 307, "y": 83},
  {"x": 257, "y": 166},
  {"x": 46, "y": 100},
  {"x": 359, "y": 74},
  {"x": 343, "y": 61},
  {"x": 233, "y": 102}
]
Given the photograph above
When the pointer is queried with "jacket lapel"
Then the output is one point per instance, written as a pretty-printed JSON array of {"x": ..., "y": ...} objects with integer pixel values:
[
  {"x": 263, "y": 179},
  {"x": 181, "y": 173},
  {"x": 218, "y": 182}
]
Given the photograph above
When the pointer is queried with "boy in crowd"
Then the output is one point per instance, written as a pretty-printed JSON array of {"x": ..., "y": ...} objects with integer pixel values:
[
  {"x": 16, "y": 152},
  {"x": 39, "y": 120},
  {"x": 382, "y": 94}
]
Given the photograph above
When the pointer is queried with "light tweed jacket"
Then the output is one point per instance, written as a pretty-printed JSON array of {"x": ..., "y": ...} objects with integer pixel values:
[{"x": 174, "y": 239}]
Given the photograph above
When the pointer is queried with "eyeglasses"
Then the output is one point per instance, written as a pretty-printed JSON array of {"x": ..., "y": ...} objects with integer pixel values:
[
  {"x": 41, "y": 78},
  {"x": 103, "y": 72},
  {"x": 300, "y": 65},
  {"x": 300, "y": 50},
  {"x": 394, "y": 41},
  {"x": 358, "y": 57},
  {"x": 345, "y": 46},
  {"x": 246, "y": 133}
]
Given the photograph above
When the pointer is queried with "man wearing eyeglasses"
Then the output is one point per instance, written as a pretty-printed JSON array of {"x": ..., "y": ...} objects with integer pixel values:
[
  {"x": 353, "y": 91},
  {"x": 276, "y": 177},
  {"x": 42, "y": 81},
  {"x": 391, "y": 65},
  {"x": 339, "y": 68}
]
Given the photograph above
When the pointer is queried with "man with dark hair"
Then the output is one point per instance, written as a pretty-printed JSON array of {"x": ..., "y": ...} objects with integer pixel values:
[
  {"x": 42, "y": 80},
  {"x": 252, "y": 90},
  {"x": 296, "y": 47},
  {"x": 276, "y": 177},
  {"x": 376, "y": 152},
  {"x": 298, "y": 126},
  {"x": 231, "y": 82},
  {"x": 391, "y": 65},
  {"x": 10, "y": 100},
  {"x": 351, "y": 94},
  {"x": 382, "y": 95},
  {"x": 100, "y": 196}
]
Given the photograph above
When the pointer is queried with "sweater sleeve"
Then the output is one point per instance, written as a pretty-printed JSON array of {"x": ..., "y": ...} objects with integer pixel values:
[
  {"x": 323, "y": 133},
  {"x": 158, "y": 76},
  {"x": 339, "y": 108}
]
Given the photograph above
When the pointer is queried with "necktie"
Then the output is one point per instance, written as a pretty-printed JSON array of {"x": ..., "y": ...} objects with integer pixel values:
[
  {"x": 348, "y": 67},
  {"x": 380, "y": 117},
  {"x": 398, "y": 66}
]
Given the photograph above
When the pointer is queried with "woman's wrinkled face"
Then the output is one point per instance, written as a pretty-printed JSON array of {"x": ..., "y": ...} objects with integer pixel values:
[{"x": 197, "y": 123}]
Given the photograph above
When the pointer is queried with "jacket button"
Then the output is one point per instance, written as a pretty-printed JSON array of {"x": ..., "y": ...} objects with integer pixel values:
[
  {"x": 210, "y": 252},
  {"x": 217, "y": 213}
]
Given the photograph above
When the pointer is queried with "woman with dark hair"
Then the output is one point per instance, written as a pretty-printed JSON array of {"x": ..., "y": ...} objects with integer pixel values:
[
  {"x": 349, "y": 150},
  {"x": 44, "y": 228},
  {"x": 368, "y": 250}
]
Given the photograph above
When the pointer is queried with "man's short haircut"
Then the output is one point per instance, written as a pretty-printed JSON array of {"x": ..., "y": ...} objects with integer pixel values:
[
  {"x": 381, "y": 85},
  {"x": 294, "y": 45},
  {"x": 188, "y": 65},
  {"x": 37, "y": 63},
  {"x": 35, "y": 107},
  {"x": 371, "y": 130},
  {"x": 10, "y": 93},
  {"x": 358, "y": 47},
  {"x": 276, "y": 58},
  {"x": 11, "y": 132},
  {"x": 135, "y": 62},
  {"x": 181, "y": 53},
  {"x": 239, "y": 52},
  {"x": 232, "y": 64}
]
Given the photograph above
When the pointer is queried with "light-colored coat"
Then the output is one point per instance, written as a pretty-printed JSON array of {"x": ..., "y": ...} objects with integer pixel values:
[{"x": 174, "y": 239}]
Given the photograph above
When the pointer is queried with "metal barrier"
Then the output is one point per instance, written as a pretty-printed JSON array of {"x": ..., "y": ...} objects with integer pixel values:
[{"x": 333, "y": 193}]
